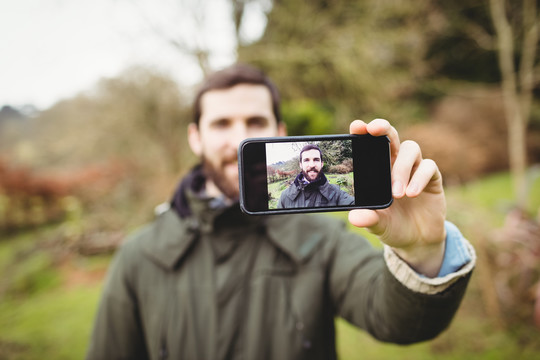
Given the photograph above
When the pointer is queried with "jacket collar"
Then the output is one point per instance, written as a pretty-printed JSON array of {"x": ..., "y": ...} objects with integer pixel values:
[
  {"x": 173, "y": 236},
  {"x": 301, "y": 181},
  {"x": 294, "y": 235},
  {"x": 322, "y": 185},
  {"x": 177, "y": 229}
]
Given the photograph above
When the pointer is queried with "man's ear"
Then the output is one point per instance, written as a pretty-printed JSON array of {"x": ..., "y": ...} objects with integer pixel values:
[
  {"x": 194, "y": 139},
  {"x": 282, "y": 129}
]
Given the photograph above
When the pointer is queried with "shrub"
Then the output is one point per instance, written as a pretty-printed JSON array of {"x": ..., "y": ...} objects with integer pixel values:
[
  {"x": 31, "y": 199},
  {"x": 344, "y": 168}
]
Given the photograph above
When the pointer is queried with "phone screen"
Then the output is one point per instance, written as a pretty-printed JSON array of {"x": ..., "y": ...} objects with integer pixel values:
[{"x": 317, "y": 173}]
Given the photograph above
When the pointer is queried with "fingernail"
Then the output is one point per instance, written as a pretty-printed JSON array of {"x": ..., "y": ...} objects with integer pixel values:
[
  {"x": 397, "y": 188},
  {"x": 412, "y": 189}
]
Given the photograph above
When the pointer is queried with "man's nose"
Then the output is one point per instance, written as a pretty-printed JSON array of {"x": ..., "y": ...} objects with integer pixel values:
[{"x": 238, "y": 133}]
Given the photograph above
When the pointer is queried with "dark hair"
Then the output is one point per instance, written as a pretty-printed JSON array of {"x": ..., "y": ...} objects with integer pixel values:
[
  {"x": 235, "y": 75},
  {"x": 310, "y": 147}
]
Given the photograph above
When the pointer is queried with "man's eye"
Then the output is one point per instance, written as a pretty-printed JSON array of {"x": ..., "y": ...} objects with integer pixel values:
[
  {"x": 258, "y": 122},
  {"x": 220, "y": 124}
]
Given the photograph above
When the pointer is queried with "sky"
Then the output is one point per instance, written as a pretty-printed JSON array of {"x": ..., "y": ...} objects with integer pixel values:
[
  {"x": 55, "y": 49},
  {"x": 282, "y": 151}
]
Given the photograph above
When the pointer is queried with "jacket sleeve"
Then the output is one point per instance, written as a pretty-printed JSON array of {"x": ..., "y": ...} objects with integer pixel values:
[
  {"x": 281, "y": 204},
  {"x": 344, "y": 198},
  {"x": 367, "y": 294},
  {"x": 459, "y": 260},
  {"x": 117, "y": 332}
]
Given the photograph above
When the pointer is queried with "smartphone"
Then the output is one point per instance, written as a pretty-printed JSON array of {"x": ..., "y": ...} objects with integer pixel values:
[{"x": 300, "y": 174}]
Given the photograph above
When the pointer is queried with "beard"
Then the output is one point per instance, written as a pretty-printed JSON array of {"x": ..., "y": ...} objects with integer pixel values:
[
  {"x": 217, "y": 174},
  {"x": 308, "y": 178}
]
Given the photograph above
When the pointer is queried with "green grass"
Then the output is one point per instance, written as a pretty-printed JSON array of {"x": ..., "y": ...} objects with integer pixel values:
[
  {"x": 41, "y": 317},
  {"x": 470, "y": 336},
  {"x": 274, "y": 190},
  {"x": 10, "y": 245},
  {"x": 493, "y": 196},
  {"x": 52, "y": 325}
]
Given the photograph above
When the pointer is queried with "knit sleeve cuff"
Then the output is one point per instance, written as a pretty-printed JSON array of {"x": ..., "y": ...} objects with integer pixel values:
[{"x": 419, "y": 283}]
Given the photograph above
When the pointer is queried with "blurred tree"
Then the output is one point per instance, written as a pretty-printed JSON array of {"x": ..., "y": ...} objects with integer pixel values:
[
  {"x": 335, "y": 152},
  {"x": 144, "y": 102},
  {"x": 121, "y": 142},
  {"x": 187, "y": 35},
  {"x": 517, "y": 35},
  {"x": 364, "y": 58},
  {"x": 389, "y": 59},
  {"x": 471, "y": 37},
  {"x": 64, "y": 135},
  {"x": 461, "y": 44},
  {"x": 192, "y": 26},
  {"x": 307, "y": 117},
  {"x": 139, "y": 116}
]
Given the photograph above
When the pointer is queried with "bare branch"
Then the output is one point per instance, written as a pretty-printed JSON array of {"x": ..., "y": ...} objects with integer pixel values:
[
  {"x": 197, "y": 46},
  {"x": 529, "y": 47},
  {"x": 479, "y": 35},
  {"x": 238, "y": 13},
  {"x": 517, "y": 96},
  {"x": 536, "y": 76},
  {"x": 505, "y": 45}
]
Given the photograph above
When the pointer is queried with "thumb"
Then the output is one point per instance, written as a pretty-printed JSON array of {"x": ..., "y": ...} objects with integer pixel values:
[{"x": 363, "y": 218}]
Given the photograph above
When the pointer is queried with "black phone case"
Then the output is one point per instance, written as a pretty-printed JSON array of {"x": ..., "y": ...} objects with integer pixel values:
[{"x": 241, "y": 169}]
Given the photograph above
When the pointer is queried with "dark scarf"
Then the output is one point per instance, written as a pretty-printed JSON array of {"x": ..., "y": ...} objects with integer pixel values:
[
  {"x": 220, "y": 215},
  {"x": 320, "y": 181},
  {"x": 195, "y": 181}
]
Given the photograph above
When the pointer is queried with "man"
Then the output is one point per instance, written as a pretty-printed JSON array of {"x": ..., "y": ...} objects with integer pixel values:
[
  {"x": 205, "y": 281},
  {"x": 311, "y": 187}
]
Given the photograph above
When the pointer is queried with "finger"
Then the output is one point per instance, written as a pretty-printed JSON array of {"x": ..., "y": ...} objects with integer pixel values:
[
  {"x": 426, "y": 171},
  {"x": 381, "y": 127},
  {"x": 408, "y": 159},
  {"x": 358, "y": 127},
  {"x": 363, "y": 218}
]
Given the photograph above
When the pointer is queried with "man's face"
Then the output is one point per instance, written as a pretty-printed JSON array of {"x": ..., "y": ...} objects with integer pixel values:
[
  {"x": 229, "y": 116},
  {"x": 311, "y": 164}
]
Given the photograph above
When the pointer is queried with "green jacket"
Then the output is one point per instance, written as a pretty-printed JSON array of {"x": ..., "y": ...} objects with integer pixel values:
[
  {"x": 171, "y": 293},
  {"x": 319, "y": 193}
]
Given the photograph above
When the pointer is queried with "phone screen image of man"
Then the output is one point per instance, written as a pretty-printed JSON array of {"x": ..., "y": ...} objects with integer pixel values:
[{"x": 310, "y": 174}]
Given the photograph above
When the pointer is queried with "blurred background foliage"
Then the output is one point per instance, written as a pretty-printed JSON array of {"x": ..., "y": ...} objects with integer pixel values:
[{"x": 77, "y": 177}]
